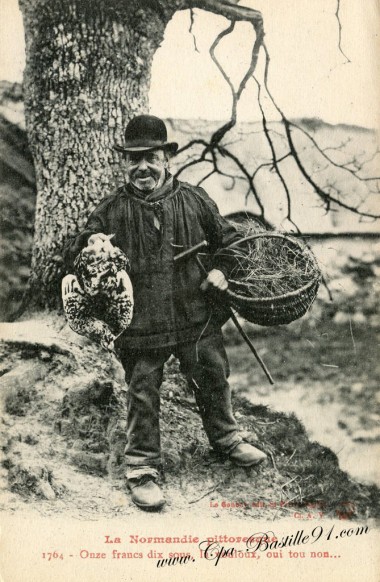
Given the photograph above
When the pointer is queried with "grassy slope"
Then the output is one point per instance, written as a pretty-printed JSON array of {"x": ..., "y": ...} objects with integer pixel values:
[{"x": 64, "y": 440}]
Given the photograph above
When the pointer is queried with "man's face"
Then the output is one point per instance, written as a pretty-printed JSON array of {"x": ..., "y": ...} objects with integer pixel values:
[{"x": 146, "y": 170}]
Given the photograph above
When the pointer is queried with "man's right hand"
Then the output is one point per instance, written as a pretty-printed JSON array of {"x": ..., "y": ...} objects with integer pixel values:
[
  {"x": 97, "y": 236},
  {"x": 100, "y": 243}
]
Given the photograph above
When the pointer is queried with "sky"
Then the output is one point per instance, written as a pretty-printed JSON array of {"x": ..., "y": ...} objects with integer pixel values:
[{"x": 309, "y": 76}]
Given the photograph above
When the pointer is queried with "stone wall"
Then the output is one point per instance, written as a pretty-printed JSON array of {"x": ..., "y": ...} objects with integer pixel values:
[{"x": 351, "y": 267}]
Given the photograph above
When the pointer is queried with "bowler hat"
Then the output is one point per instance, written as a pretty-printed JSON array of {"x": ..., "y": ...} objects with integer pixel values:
[{"x": 146, "y": 132}]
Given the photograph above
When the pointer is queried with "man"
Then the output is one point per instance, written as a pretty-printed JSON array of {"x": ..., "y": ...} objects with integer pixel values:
[{"x": 154, "y": 217}]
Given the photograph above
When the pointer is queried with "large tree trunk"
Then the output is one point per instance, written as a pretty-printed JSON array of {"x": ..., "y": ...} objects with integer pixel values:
[{"x": 88, "y": 71}]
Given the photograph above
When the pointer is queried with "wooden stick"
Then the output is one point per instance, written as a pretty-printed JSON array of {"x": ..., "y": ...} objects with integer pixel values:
[
  {"x": 191, "y": 252},
  {"x": 251, "y": 346}
]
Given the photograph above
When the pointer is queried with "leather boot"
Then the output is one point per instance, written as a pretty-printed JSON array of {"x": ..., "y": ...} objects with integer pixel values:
[
  {"x": 246, "y": 455},
  {"x": 146, "y": 494}
]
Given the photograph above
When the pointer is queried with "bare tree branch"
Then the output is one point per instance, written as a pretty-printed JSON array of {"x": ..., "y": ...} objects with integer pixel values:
[
  {"x": 232, "y": 12},
  {"x": 323, "y": 153},
  {"x": 213, "y": 148},
  {"x": 214, "y": 145},
  {"x": 273, "y": 152},
  {"x": 191, "y": 30},
  {"x": 245, "y": 172},
  {"x": 326, "y": 197},
  {"x": 340, "y": 32},
  {"x": 268, "y": 164},
  {"x": 220, "y": 133},
  {"x": 206, "y": 177}
]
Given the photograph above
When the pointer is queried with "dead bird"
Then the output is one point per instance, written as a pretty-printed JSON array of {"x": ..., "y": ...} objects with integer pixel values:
[{"x": 98, "y": 297}]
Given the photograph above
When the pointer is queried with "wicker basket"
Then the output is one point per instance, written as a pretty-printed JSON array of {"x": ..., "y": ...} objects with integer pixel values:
[{"x": 281, "y": 309}]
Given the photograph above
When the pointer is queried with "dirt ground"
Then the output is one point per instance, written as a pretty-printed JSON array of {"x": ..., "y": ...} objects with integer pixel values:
[
  {"x": 63, "y": 429},
  {"x": 329, "y": 376}
]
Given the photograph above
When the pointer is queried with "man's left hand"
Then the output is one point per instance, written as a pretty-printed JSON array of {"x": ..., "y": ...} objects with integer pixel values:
[{"x": 216, "y": 280}]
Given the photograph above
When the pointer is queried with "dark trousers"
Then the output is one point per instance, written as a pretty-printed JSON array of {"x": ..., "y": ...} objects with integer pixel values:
[{"x": 206, "y": 368}]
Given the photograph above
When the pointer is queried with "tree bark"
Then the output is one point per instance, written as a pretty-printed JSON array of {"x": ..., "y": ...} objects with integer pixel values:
[{"x": 87, "y": 72}]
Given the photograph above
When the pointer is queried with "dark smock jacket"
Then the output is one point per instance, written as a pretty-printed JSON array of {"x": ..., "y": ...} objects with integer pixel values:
[{"x": 169, "y": 307}]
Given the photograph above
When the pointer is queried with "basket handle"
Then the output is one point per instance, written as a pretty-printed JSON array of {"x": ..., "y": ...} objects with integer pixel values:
[{"x": 266, "y": 235}]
